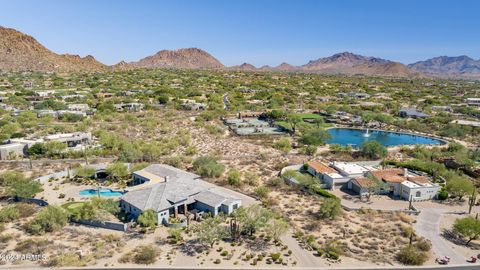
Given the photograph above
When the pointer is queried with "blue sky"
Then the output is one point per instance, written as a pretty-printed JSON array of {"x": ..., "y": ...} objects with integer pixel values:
[{"x": 254, "y": 31}]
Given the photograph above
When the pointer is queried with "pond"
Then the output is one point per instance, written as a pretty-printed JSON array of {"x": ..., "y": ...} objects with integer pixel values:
[
  {"x": 102, "y": 192},
  {"x": 355, "y": 137}
]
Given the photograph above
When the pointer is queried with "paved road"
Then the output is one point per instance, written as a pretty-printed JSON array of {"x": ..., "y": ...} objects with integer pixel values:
[{"x": 428, "y": 226}]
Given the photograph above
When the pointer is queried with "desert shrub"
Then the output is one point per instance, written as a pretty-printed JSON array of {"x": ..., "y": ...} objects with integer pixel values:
[
  {"x": 332, "y": 250},
  {"x": 234, "y": 177},
  {"x": 406, "y": 230},
  {"x": 145, "y": 254},
  {"x": 208, "y": 167},
  {"x": 175, "y": 236},
  {"x": 50, "y": 219},
  {"x": 330, "y": 208},
  {"x": 404, "y": 217},
  {"x": 217, "y": 261},
  {"x": 320, "y": 191},
  {"x": 32, "y": 245},
  {"x": 423, "y": 245},
  {"x": 275, "y": 256},
  {"x": 283, "y": 145},
  {"x": 251, "y": 178},
  {"x": 411, "y": 255},
  {"x": 224, "y": 253},
  {"x": 442, "y": 195},
  {"x": 25, "y": 209},
  {"x": 148, "y": 219},
  {"x": 67, "y": 259},
  {"x": 9, "y": 214},
  {"x": 262, "y": 192}
]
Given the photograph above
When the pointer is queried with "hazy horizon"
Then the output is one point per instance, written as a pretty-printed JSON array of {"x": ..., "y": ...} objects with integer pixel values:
[{"x": 256, "y": 32}]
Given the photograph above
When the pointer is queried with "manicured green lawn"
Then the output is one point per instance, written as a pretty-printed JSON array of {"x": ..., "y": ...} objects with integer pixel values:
[
  {"x": 69, "y": 206},
  {"x": 287, "y": 125}
]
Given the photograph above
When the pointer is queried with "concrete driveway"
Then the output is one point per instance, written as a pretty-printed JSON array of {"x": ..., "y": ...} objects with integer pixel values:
[{"x": 428, "y": 226}]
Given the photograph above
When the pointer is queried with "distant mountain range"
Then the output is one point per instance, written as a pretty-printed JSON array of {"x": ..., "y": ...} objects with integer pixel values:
[
  {"x": 21, "y": 52},
  {"x": 445, "y": 66}
]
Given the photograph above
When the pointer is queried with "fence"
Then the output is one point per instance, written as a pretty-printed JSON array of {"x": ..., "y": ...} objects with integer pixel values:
[{"x": 105, "y": 224}]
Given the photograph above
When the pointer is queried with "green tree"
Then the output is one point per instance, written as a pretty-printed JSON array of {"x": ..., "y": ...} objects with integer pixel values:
[
  {"x": 118, "y": 171},
  {"x": 85, "y": 172},
  {"x": 276, "y": 228},
  {"x": 373, "y": 150},
  {"x": 54, "y": 149},
  {"x": 459, "y": 186},
  {"x": 294, "y": 119},
  {"x": 148, "y": 219},
  {"x": 467, "y": 227},
  {"x": 318, "y": 122},
  {"x": 252, "y": 218},
  {"x": 210, "y": 230},
  {"x": 330, "y": 208},
  {"x": 24, "y": 188},
  {"x": 37, "y": 150},
  {"x": 315, "y": 137}
]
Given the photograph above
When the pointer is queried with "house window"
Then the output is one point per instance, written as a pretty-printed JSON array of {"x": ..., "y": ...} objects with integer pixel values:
[
  {"x": 235, "y": 206},
  {"x": 418, "y": 194}
]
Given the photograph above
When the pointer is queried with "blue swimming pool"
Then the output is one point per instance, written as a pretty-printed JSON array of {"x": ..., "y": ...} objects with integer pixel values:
[
  {"x": 104, "y": 192},
  {"x": 355, "y": 137}
]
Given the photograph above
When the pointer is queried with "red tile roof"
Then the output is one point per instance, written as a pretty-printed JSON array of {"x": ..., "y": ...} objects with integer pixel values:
[
  {"x": 364, "y": 182},
  {"x": 419, "y": 179},
  {"x": 321, "y": 167},
  {"x": 395, "y": 175}
]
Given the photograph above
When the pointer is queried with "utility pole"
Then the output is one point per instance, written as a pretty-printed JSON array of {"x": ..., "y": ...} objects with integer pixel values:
[{"x": 410, "y": 203}]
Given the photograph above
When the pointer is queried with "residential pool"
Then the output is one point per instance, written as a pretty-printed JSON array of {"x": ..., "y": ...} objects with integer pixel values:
[
  {"x": 104, "y": 192},
  {"x": 355, "y": 137}
]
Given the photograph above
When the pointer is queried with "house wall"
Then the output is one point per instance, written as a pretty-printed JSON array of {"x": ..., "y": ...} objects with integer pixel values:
[
  {"x": 397, "y": 189},
  {"x": 425, "y": 193},
  {"x": 206, "y": 208},
  {"x": 130, "y": 209},
  {"x": 333, "y": 182},
  {"x": 312, "y": 171},
  {"x": 162, "y": 217},
  {"x": 228, "y": 209},
  {"x": 7, "y": 151}
]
